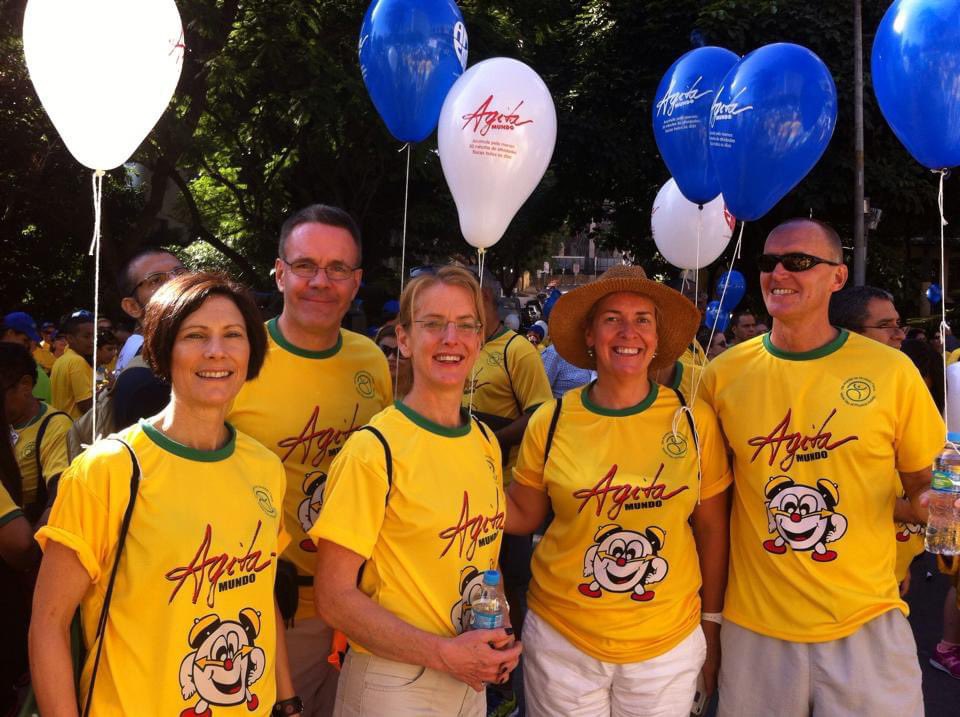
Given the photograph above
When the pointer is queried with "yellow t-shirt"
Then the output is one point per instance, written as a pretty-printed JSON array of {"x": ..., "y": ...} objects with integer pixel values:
[
  {"x": 617, "y": 571},
  {"x": 53, "y": 450},
  {"x": 503, "y": 390},
  {"x": 192, "y": 623},
  {"x": 8, "y": 509},
  {"x": 303, "y": 406},
  {"x": 44, "y": 358},
  {"x": 816, "y": 440},
  {"x": 428, "y": 536},
  {"x": 953, "y": 356},
  {"x": 70, "y": 382}
]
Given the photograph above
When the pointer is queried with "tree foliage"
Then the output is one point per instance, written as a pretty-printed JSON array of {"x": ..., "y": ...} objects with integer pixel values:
[{"x": 271, "y": 114}]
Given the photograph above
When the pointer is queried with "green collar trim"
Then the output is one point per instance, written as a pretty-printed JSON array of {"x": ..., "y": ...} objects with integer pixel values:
[
  {"x": 824, "y": 350},
  {"x": 429, "y": 425},
  {"x": 40, "y": 414},
  {"x": 618, "y": 412},
  {"x": 501, "y": 332},
  {"x": 191, "y": 454},
  {"x": 274, "y": 328},
  {"x": 678, "y": 376}
]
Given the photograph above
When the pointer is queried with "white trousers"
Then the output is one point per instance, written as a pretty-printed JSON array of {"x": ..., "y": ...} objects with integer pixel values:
[{"x": 559, "y": 679}]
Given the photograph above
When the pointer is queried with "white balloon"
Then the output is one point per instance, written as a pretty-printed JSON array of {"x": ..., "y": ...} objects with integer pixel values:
[
  {"x": 104, "y": 70},
  {"x": 675, "y": 221},
  {"x": 497, "y": 130}
]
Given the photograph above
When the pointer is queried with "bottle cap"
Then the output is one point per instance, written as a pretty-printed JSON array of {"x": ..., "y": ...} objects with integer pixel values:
[
  {"x": 491, "y": 577},
  {"x": 954, "y": 437}
]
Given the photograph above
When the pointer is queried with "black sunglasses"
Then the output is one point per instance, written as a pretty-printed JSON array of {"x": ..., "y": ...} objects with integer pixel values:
[
  {"x": 792, "y": 262},
  {"x": 389, "y": 351}
]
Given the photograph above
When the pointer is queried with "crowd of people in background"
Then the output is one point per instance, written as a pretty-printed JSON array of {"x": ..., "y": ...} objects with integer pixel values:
[{"x": 217, "y": 545}]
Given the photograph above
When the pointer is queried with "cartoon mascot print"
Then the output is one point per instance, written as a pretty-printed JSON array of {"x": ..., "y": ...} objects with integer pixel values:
[
  {"x": 624, "y": 561},
  {"x": 471, "y": 584},
  {"x": 803, "y": 517},
  {"x": 224, "y": 664},
  {"x": 905, "y": 530},
  {"x": 313, "y": 484}
]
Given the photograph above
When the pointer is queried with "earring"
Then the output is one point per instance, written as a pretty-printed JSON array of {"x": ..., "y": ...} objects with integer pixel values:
[{"x": 590, "y": 352}]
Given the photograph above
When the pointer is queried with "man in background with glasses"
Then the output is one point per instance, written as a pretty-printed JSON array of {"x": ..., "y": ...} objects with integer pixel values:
[
  {"x": 141, "y": 276},
  {"x": 825, "y": 429},
  {"x": 868, "y": 311},
  {"x": 318, "y": 385}
]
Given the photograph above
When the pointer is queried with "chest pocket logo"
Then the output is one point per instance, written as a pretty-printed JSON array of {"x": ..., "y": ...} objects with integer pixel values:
[
  {"x": 858, "y": 391},
  {"x": 265, "y": 500},
  {"x": 364, "y": 384},
  {"x": 674, "y": 445}
]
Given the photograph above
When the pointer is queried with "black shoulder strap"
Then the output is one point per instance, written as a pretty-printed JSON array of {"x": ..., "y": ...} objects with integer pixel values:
[
  {"x": 387, "y": 454},
  {"x": 482, "y": 428},
  {"x": 693, "y": 430},
  {"x": 506, "y": 367},
  {"x": 104, "y": 611},
  {"x": 552, "y": 429},
  {"x": 42, "y": 493}
]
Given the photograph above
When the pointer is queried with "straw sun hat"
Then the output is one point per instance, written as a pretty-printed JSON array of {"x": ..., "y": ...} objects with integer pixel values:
[{"x": 676, "y": 324}]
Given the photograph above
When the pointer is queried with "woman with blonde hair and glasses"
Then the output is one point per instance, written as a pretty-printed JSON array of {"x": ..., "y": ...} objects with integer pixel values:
[
  {"x": 628, "y": 581},
  {"x": 414, "y": 505}
]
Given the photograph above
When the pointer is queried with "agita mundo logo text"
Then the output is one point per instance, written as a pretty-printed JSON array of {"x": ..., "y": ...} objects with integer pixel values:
[
  {"x": 485, "y": 119},
  {"x": 675, "y": 100},
  {"x": 727, "y": 110}
]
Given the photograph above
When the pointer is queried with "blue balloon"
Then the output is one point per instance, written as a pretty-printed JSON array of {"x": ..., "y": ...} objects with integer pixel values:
[
  {"x": 411, "y": 53},
  {"x": 717, "y": 317},
  {"x": 770, "y": 124},
  {"x": 736, "y": 289},
  {"x": 934, "y": 294},
  {"x": 681, "y": 118},
  {"x": 915, "y": 65}
]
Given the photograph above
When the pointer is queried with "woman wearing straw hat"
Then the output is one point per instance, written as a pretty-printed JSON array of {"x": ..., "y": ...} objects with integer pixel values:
[{"x": 628, "y": 581}]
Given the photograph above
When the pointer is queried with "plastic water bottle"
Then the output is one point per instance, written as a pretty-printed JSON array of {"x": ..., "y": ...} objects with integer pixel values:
[
  {"x": 489, "y": 607},
  {"x": 943, "y": 525}
]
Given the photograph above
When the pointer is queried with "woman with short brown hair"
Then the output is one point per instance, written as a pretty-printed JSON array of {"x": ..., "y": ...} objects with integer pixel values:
[{"x": 166, "y": 537}]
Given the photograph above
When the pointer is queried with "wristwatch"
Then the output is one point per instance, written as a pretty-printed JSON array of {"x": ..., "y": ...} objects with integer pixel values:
[{"x": 290, "y": 706}]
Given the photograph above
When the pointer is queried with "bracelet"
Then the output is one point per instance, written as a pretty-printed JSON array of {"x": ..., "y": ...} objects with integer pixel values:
[
  {"x": 290, "y": 706},
  {"x": 716, "y": 617}
]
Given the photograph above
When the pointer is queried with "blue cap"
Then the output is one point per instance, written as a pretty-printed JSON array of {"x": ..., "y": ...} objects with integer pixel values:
[
  {"x": 22, "y": 323},
  {"x": 953, "y": 437},
  {"x": 491, "y": 577}
]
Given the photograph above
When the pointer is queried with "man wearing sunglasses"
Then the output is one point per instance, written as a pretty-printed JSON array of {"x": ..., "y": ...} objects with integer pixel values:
[
  {"x": 318, "y": 385},
  {"x": 813, "y": 620}
]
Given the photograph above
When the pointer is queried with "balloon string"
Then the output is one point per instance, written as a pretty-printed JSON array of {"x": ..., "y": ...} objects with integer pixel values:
[
  {"x": 481, "y": 260},
  {"x": 97, "y": 181},
  {"x": 723, "y": 294},
  {"x": 943, "y": 302},
  {"x": 403, "y": 252}
]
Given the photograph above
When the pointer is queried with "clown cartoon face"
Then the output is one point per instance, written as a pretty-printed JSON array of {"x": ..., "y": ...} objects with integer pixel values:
[
  {"x": 624, "y": 561},
  {"x": 803, "y": 517},
  {"x": 471, "y": 584},
  {"x": 224, "y": 664},
  {"x": 313, "y": 484}
]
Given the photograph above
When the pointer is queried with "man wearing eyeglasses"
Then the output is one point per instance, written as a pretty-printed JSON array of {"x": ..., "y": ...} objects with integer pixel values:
[
  {"x": 868, "y": 311},
  {"x": 141, "y": 276},
  {"x": 825, "y": 429},
  {"x": 318, "y": 385}
]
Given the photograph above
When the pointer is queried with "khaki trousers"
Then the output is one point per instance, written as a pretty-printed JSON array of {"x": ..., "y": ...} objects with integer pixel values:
[
  {"x": 873, "y": 672},
  {"x": 375, "y": 687}
]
